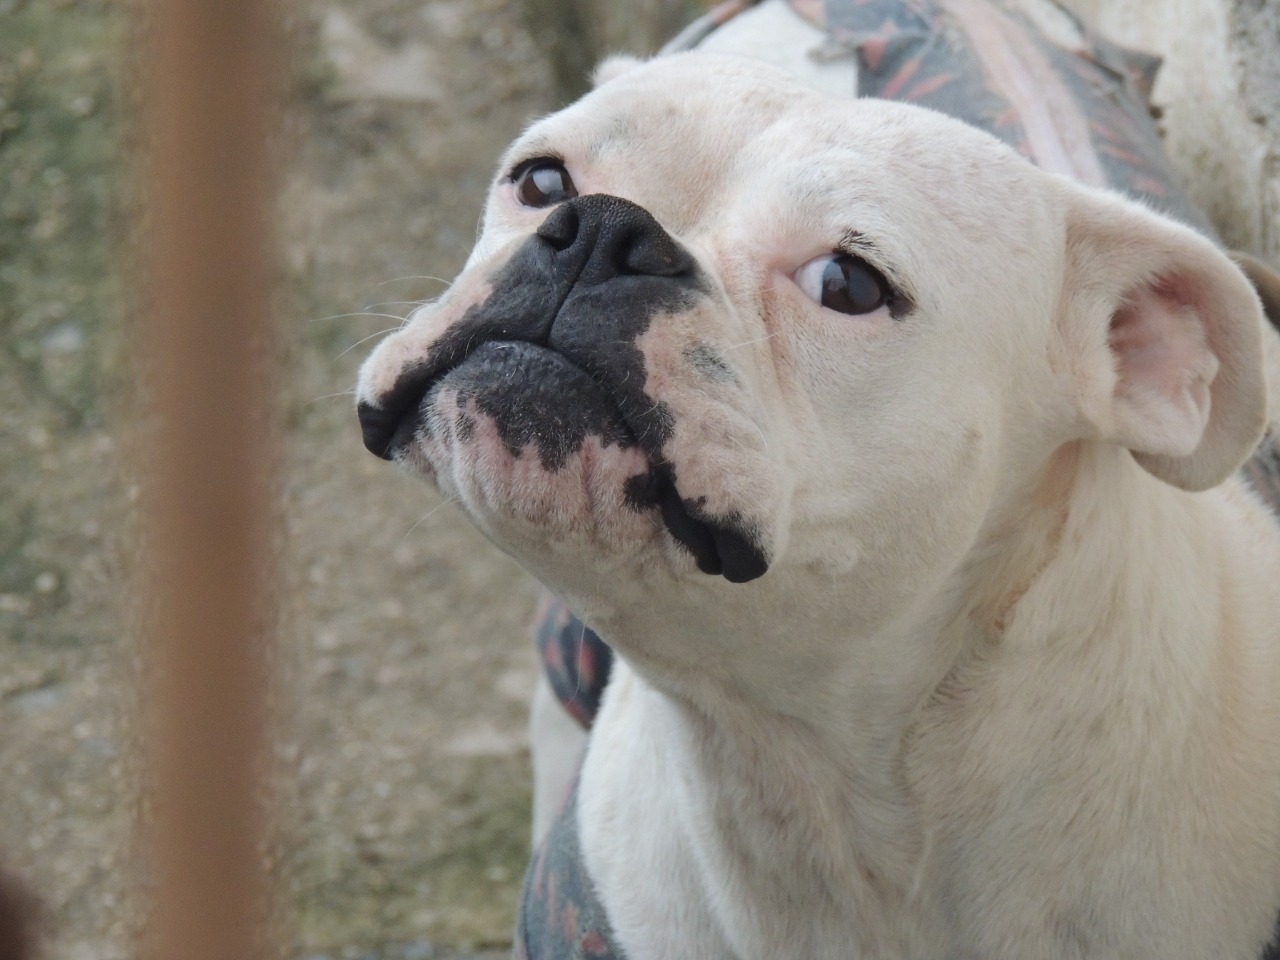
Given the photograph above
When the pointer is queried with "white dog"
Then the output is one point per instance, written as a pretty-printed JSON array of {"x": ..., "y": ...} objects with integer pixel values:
[{"x": 899, "y": 473}]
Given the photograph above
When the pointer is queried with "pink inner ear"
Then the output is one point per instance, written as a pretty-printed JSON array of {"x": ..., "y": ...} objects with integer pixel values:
[
  {"x": 1158, "y": 341},
  {"x": 1164, "y": 367}
]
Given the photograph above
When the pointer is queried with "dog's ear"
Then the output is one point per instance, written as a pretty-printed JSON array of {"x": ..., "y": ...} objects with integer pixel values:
[
  {"x": 613, "y": 66},
  {"x": 1163, "y": 340}
]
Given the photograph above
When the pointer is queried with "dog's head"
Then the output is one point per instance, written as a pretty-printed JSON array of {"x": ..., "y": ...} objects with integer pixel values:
[{"x": 720, "y": 327}]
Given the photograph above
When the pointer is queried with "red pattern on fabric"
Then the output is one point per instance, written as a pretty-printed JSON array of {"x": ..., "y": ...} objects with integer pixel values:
[
  {"x": 928, "y": 86},
  {"x": 893, "y": 87},
  {"x": 874, "y": 49}
]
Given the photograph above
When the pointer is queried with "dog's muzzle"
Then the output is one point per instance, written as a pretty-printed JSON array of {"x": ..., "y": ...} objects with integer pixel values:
[
  {"x": 585, "y": 286},
  {"x": 551, "y": 356}
]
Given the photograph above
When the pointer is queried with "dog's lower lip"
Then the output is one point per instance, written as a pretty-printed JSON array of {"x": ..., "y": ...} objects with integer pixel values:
[
  {"x": 718, "y": 548},
  {"x": 381, "y": 429}
]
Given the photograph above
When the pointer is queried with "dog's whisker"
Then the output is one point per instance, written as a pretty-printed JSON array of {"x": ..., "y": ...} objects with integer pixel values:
[
  {"x": 448, "y": 502},
  {"x": 412, "y": 304},
  {"x": 372, "y": 336},
  {"x": 358, "y": 313},
  {"x": 331, "y": 396},
  {"x": 747, "y": 343},
  {"x": 447, "y": 283}
]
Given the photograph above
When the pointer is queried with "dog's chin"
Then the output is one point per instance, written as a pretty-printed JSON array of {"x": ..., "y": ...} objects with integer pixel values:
[{"x": 542, "y": 459}]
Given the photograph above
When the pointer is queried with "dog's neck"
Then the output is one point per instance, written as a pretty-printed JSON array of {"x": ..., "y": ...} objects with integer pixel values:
[
  {"x": 810, "y": 650},
  {"x": 808, "y": 779}
]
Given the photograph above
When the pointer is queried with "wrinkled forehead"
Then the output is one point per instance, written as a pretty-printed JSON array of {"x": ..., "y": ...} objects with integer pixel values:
[
  {"x": 679, "y": 106},
  {"x": 914, "y": 181},
  {"x": 698, "y": 136}
]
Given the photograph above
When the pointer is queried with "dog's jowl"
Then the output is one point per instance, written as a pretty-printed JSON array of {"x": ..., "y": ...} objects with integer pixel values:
[{"x": 902, "y": 476}]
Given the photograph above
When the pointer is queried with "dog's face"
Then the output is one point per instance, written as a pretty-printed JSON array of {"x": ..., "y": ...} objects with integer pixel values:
[{"x": 720, "y": 328}]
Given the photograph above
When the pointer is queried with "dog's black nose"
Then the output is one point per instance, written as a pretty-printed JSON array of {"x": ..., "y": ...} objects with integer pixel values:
[{"x": 598, "y": 237}]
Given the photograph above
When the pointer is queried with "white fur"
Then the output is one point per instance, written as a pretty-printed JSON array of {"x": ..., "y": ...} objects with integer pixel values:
[
  {"x": 560, "y": 742},
  {"x": 1009, "y": 688},
  {"x": 771, "y": 32}
]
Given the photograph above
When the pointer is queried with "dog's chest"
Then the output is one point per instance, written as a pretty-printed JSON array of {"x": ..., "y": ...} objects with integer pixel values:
[{"x": 813, "y": 870}]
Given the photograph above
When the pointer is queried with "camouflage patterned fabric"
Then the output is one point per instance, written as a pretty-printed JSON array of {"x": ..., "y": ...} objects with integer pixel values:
[
  {"x": 560, "y": 915},
  {"x": 574, "y": 658},
  {"x": 1090, "y": 119},
  {"x": 1100, "y": 130}
]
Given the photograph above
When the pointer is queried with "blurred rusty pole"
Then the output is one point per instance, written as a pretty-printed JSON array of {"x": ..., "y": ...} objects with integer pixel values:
[{"x": 206, "y": 566}]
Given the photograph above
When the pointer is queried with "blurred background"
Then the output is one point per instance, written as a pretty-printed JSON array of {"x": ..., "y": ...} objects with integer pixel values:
[{"x": 403, "y": 674}]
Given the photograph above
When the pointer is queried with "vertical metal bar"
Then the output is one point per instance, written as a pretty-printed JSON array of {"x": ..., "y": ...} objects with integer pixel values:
[{"x": 205, "y": 462}]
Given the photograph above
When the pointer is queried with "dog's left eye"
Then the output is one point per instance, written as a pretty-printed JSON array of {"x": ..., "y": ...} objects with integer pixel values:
[
  {"x": 844, "y": 283},
  {"x": 543, "y": 183}
]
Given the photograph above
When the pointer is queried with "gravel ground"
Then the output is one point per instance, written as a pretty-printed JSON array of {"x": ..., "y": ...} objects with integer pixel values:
[{"x": 402, "y": 794}]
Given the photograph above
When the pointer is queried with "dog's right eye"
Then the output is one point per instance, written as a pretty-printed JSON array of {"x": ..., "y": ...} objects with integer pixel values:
[
  {"x": 543, "y": 183},
  {"x": 844, "y": 283}
]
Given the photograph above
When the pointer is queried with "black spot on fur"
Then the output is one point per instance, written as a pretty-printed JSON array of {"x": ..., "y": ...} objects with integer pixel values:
[
  {"x": 710, "y": 364},
  {"x": 644, "y": 491},
  {"x": 464, "y": 427}
]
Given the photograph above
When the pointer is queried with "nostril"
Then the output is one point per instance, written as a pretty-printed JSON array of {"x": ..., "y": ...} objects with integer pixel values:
[
  {"x": 654, "y": 255},
  {"x": 560, "y": 229},
  {"x": 378, "y": 429},
  {"x": 596, "y": 238}
]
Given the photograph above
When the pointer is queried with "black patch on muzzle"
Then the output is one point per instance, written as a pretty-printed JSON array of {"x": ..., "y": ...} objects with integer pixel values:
[
  {"x": 586, "y": 285},
  {"x": 551, "y": 355},
  {"x": 536, "y": 397}
]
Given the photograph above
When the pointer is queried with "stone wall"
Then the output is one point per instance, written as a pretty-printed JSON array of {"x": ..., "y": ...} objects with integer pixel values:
[{"x": 578, "y": 34}]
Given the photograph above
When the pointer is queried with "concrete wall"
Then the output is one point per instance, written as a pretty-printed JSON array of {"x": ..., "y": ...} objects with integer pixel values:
[{"x": 1220, "y": 90}]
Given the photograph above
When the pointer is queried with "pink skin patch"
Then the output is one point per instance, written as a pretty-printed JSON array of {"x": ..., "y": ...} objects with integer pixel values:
[{"x": 583, "y": 501}]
